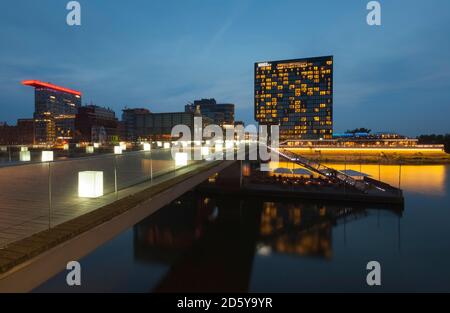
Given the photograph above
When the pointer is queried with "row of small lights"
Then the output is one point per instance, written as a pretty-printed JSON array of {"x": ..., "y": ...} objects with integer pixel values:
[{"x": 90, "y": 183}]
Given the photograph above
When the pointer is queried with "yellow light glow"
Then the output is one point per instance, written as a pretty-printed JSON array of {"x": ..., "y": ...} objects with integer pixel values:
[
  {"x": 90, "y": 149},
  {"x": 90, "y": 184},
  {"x": 66, "y": 147},
  {"x": 167, "y": 145},
  {"x": 96, "y": 145},
  {"x": 23, "y": 149},
  {"x": 123, "y": 146},
  {"x": 159, "y": 144},
  {"x": 117, "y": 150}
]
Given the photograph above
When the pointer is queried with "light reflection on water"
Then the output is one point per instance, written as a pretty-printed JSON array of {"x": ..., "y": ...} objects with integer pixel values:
[{"x": 213, "y": 243}]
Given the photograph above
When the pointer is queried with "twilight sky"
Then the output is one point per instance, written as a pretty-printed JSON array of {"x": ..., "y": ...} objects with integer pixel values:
[{"x": 160, "y": 54}]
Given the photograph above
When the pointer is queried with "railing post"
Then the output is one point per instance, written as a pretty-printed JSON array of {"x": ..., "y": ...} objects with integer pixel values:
[
  {"x": 115, "y": 177},
  {"x": 49, "y": 195}
]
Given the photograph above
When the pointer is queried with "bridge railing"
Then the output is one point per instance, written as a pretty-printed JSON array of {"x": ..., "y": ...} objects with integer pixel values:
[{"x": 40, "y": 195}]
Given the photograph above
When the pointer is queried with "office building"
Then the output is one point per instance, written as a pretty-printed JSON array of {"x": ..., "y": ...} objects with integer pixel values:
[
  {"x": 55, "y": 110},
  {"x": 141, "y": 124},
  {"x": 96, "y": 124},
  {"x": 297, "y": 95},
  {"x": 220, "y": 113}
]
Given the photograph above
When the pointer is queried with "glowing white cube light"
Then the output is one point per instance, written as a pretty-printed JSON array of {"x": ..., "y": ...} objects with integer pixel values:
[
  {"x": 205, "y": 151},
  {"x": 23, "y": 149},
  {"x": 167, "y": 145},
  {"x": 117, "y": 150},
  {"x": 159, "y": 144},
  {"x": 147, "y": 147},
  {"x": 123, "y": 146},
  {"x": 47, "y": 156},
  {"x": 25, "y": 156},
  {"x": 90, "y": 184},
  {"x": 90, "y": 149},
  {"x": 96, "y": 145},
  {"x": 66, "y": 147},
  {"x": 181, "y": 159}
]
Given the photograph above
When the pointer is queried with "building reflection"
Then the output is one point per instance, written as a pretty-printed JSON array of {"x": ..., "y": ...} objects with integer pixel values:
[{"x": 209, "y": 243}]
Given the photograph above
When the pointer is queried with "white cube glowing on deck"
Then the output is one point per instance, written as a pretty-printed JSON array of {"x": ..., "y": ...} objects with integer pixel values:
[
  {"x": 47, "y": 156},
  {"x": 159, "y": 144},
  {"x": 146, "y": 147},
  {"x": 219, "y": 147},
  {"x": 167, "y": 145},
  {"x": 117, "y": 150},
  {"x": 123, "y": 146},
  {"x": 205, "y": 151},
  {"x": 23, "y": 149},
  {"x": 96, "y": 145},
  {"x": 229, "y": 144},
  {"x": 66, "y": 147},
  {"x": 25, "y": 156},
  {"x": 90, "y": 184},
  {"x": 181, "y": 159},
  {"x": 90, "y": 149}
]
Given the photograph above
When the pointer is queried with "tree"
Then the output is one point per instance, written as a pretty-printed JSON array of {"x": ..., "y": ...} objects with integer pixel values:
[{"x": 358, "y": 130}]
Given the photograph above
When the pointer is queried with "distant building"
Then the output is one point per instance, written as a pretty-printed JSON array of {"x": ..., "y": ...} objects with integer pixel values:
[
  {"x": 143, "y": 124},
  {"x": 26, "y": 131},
  {"x": 128, "y": 125},
  {"x": 55, "y": 110},
  {"x": 297, "y": 95},
  {"x": 96, "y": 124},
  {"x": 20, "y": 134},
  {"x": 220, "y": 113}
]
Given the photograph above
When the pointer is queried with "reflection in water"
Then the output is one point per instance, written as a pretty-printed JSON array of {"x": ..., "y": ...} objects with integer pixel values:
[
  {"x": 221, "y": 252},
  {"x": 221, "y": 243}
]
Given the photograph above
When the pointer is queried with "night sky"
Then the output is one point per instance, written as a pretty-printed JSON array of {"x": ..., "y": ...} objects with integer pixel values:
[{"x": 163, "y": 54}]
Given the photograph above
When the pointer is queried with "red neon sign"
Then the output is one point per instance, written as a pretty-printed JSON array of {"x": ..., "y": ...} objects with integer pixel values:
[{"x": 39, "y": 84}]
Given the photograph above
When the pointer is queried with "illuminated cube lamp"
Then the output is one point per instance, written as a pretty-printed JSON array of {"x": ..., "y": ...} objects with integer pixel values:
[
  {"x": 123, "y": 146},
  {"x": 117, "y": 150},
  {"x": 47, "y": 156},
  {"x": 205, "y": 151},
  {"x": 159, "y": 144},
  {"x": 181, "y": 159},
  {"x": 25, "y": 156},
  {"x": 96, "y": 145},
  {"x": 66, "y": 147},
  {"x": 3, "y": 148},
  {"x": 23, "y": 149},
  {"x": 219, "y": 147},
  {"x": 167, "y": 145},
  {"x": 90, "y": 184},
  {"x": 229, "y": 144},
  {"x": 90, "y": 149},
  {"x": 147, "y": 147}
]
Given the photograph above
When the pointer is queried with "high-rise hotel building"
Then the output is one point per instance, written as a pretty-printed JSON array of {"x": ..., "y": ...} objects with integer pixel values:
[
  {"x": 55, "y": 108},
  {"x": 297, "y": 95}
]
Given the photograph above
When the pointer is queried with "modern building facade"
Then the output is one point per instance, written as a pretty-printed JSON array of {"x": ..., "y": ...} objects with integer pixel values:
[
  {"x": 96, "y": 124},
  {"x": 141, "y": 124},
  {"x": 55, "y": 111},
  {"x": 297, "y": 95},
  {"x": 220, "y": 113}
]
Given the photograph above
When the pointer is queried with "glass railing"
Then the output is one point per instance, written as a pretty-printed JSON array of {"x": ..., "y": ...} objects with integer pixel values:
[{"x": 36, "y": 196}]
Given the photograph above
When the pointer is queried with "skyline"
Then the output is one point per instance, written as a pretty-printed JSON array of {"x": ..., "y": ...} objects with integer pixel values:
[{"x": 181, "y": 51}]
